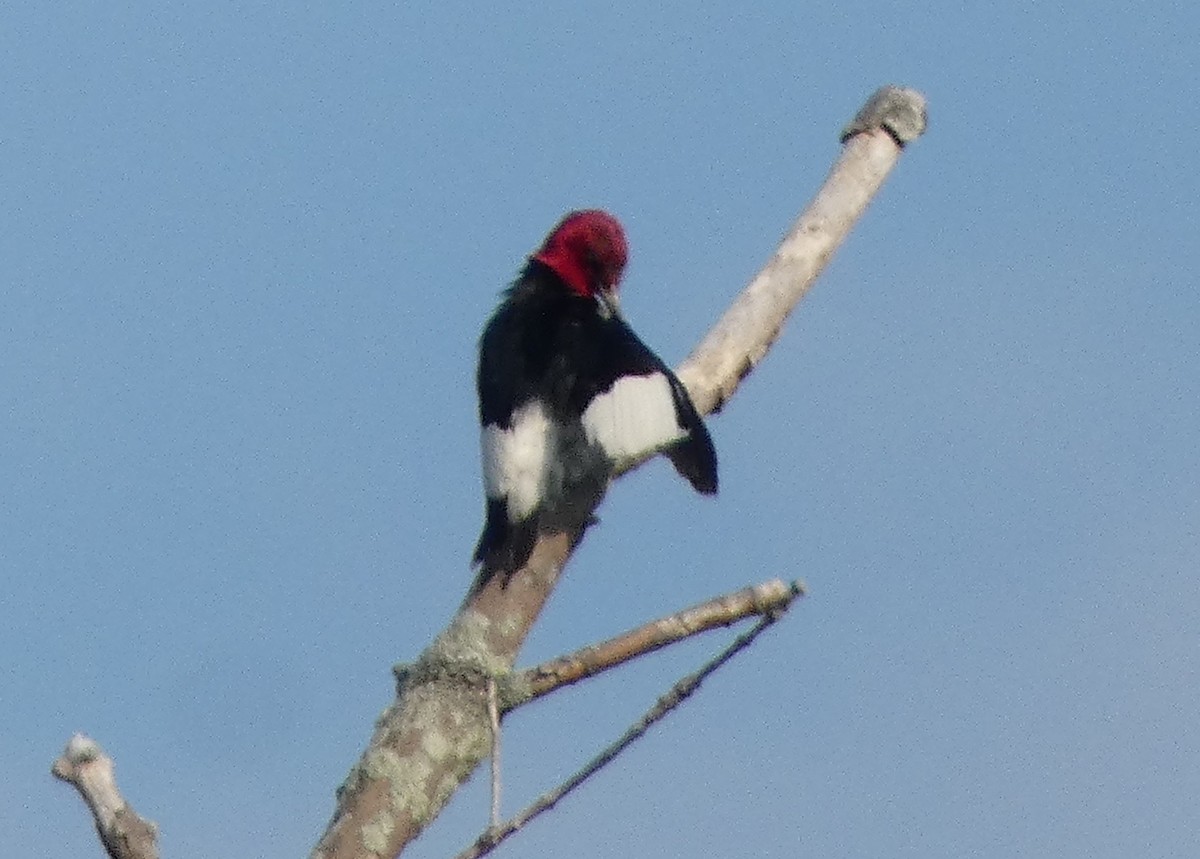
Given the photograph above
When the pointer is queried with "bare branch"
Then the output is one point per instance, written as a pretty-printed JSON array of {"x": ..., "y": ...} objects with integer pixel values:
[
  {"x": 437, "y": 731},
  {"x": 678, "y": 693},
  {"x": 494, "y": 720},
  {"x": 123, "y": 833},
  {"x": 740, "y": 339},
  {"x": 770, "y": 598}
]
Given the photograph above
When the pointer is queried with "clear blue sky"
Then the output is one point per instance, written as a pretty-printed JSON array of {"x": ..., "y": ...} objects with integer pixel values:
[{"x": 245, "y": 254}]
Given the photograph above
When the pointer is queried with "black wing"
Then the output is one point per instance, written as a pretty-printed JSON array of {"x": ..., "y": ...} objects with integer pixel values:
[{"x": 623, "y": 355}]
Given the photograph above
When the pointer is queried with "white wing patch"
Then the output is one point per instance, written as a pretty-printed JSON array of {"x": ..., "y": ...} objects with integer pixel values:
[
  {"x": 634, "y": 417},
  {"x": 514, "y": 459}
]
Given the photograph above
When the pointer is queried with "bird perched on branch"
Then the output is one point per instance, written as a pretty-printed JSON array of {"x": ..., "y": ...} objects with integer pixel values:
[{"x": 568, "y": 394}]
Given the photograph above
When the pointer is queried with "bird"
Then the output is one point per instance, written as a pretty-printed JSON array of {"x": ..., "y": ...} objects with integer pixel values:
[{"x": 568, "y": 395}]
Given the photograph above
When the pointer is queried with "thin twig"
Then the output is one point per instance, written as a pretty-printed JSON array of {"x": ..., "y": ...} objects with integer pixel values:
[
  {"x": 773, "y": 597},
  {"x": 494, "y": 716},
  {"x": 680, "y": 692}
]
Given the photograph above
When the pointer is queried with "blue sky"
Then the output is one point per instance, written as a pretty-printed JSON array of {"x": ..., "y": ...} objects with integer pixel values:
[{"x": 245, "y": 254}]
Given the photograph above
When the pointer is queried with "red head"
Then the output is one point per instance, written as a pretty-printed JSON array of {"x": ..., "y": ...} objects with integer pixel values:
[{"x": 588, "y": 251}]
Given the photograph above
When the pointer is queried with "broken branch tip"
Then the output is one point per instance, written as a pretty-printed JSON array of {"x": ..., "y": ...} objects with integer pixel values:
[{"x": 900, "y": 111}]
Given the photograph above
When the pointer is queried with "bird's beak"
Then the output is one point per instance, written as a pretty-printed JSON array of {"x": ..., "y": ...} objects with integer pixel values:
[{"x": 610, "y": 305}]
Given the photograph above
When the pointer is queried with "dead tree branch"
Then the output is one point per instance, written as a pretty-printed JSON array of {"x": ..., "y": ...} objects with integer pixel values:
[
  {"x": 738, "y": 342},
  {"x": 767, "y": 599},
  {"x": 678, "y": 693},
  {"x": 437, "y": 731},
  {"x": 123, "y": 833}
]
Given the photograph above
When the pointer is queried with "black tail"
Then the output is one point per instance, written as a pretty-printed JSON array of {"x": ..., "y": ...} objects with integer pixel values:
[{"x": 503, "y": 547}]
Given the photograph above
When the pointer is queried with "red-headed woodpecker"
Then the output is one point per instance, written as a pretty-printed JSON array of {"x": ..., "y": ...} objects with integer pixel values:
[{"x": 568, "y": 394}]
